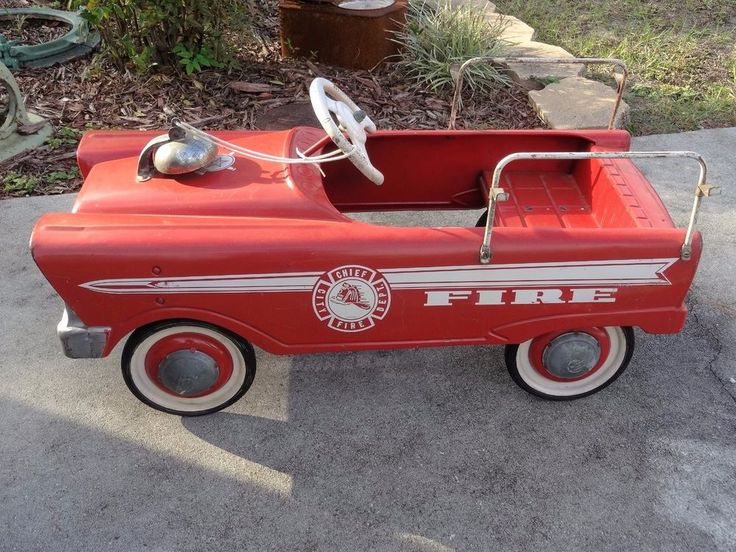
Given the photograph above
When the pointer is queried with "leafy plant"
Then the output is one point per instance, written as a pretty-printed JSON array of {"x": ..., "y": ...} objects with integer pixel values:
[
  {"x": 189, "y": 34},
  {"x": 56, "y": 177},
  {"x": 14, "y": 183},
  {"x": 194, "y": 61},
  {"x": 20, "y": 183},
  {"x": 440, "y": 37},
  {"x": 20, "y": 22},
  {"x": 65, "y": 136}
]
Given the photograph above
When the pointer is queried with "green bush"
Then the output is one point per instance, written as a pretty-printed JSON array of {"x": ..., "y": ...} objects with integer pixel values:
[
  {"x": 188, "y": 34},
  {"x": 439, "y": 37}
]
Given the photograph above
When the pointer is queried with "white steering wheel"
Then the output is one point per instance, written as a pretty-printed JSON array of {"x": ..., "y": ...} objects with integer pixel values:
[{"x": 327, "y": 99}]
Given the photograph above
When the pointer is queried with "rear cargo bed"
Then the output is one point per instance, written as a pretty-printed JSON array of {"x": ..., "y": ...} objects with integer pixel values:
[{"x": 594, "y": 194}]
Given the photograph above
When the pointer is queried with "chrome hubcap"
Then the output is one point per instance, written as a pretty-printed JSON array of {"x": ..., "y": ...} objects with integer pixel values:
[
  {"x": 571, "y": 355},
  {"x": 188, "y": 372}
]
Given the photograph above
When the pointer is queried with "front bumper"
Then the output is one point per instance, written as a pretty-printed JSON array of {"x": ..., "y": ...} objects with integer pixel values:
[{"x": 79, "y": 340}]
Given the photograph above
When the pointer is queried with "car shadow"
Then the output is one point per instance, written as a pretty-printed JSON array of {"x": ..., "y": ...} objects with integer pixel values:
[{"x": 439, "y": 447}]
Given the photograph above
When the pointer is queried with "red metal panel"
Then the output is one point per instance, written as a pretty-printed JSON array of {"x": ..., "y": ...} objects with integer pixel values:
[
  {"x": 440, "y": 169},
  {"x": 260, "y": 250},
  {"x": 155, "y": 247}
]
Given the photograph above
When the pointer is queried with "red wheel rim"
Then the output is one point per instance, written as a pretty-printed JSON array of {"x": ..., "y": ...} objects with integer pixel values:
[
  {"x": 539, "y": 344},
  {"x": 191, "y": 342}
]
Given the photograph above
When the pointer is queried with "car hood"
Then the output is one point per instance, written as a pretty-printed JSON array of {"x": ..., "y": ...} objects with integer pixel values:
[{"x": 247, "y": 188}]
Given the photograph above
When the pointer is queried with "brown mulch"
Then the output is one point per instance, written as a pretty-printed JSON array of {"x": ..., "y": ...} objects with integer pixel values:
[
  {"x": 26, "y": 30},
  {"x": 91, "y": 94}
]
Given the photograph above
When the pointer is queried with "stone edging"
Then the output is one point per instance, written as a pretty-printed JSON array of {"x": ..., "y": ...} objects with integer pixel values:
[{"x": 568, "y": 100}]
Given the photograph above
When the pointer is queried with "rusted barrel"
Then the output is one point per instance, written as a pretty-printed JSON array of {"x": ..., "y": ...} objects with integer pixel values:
[{"x": 355, "y": 33}]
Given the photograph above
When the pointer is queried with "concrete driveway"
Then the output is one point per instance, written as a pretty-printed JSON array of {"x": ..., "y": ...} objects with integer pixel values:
[{"x": 427, "y": 450}]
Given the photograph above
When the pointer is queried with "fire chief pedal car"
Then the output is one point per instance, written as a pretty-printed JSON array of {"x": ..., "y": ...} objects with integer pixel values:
[{"x": 197, "y": 245}]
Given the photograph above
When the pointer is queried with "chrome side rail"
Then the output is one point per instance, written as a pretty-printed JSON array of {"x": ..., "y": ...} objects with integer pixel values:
[
  {"x": 496, "y": 194},
  {"x": 617, "y": 63}
]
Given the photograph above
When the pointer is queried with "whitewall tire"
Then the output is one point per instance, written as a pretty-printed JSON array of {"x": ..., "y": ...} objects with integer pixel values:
[
  {"x": 571, "y": 364},
  {"x": 187, "y": 368}
]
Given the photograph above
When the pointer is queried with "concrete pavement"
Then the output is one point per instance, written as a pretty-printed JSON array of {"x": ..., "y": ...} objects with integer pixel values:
[{"x": 428, "y": 450}]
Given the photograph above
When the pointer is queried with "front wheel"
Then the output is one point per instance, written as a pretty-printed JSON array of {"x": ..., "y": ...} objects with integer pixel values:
[
  {"x": 187, "y": 368},
  {"x": 571, "y": 364}
]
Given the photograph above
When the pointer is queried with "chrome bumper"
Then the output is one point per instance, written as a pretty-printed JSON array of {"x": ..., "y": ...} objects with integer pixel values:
[{"x": 78, "y": 340}]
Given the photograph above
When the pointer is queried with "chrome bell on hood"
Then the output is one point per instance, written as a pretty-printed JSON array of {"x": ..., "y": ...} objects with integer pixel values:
[{"x": 175, "y": 153}]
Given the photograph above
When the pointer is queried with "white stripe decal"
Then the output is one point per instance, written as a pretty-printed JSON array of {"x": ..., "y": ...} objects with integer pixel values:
[
  {"x": 631, "y": 272},
  {"x": 206, "y": 284},
  {"x": 588, "y": 273}
]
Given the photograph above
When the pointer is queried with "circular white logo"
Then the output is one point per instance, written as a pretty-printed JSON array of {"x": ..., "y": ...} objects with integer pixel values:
[{"x": 351, "y": 298}]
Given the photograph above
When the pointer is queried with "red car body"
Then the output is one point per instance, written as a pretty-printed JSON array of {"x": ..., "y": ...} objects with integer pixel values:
[{"x": 266, "y": 251}]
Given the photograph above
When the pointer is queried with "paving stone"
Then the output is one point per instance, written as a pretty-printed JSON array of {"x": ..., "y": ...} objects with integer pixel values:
[
  {"x": 577, "y": 103},
  {"x": 532, "y": 76},
  {"x": 515, "y": 30}
]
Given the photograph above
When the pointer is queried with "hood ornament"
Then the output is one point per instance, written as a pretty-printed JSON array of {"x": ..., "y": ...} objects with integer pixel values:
[{"x": 175, "y": 153}]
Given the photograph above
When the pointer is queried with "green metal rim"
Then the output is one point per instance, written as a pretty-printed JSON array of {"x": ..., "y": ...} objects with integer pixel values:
[{"x": 77, "y": 42}]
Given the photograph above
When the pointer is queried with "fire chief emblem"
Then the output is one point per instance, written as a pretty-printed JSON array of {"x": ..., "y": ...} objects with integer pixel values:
[{"x": 351, "y": 298}]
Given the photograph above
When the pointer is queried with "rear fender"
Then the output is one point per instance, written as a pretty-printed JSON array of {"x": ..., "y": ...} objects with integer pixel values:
[{"x": 658, "y": 321}]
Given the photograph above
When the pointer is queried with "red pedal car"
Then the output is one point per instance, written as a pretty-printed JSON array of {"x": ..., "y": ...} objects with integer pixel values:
[{"x": 194, "y": 251}]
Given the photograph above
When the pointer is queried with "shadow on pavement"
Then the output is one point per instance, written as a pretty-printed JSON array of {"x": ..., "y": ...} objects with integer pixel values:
[{"x": 387, "y": 447}]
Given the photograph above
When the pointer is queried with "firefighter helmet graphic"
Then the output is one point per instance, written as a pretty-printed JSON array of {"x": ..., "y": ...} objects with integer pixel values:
[
  {"x": 351, "y": 298},
  {"x": 350, "y": 294}
]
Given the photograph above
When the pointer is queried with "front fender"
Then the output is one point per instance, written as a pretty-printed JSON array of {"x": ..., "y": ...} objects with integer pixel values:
[{"x": 255, "y": 336}]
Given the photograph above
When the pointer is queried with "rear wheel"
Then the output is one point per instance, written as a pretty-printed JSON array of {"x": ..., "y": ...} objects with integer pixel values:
[
  {"x": 187, "y": 368},
  {"x": 571, "y": 364}
]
